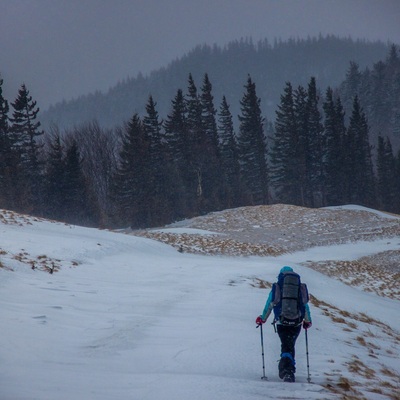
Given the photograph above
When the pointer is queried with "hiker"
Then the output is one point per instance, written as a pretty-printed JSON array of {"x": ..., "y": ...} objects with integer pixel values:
[{"x": 289, "y": 300}]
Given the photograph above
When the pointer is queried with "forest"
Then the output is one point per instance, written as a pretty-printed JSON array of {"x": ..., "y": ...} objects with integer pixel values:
[{"x": 150, "y": 171}]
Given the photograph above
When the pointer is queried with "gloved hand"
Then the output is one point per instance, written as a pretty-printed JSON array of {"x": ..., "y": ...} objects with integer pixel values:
[
  {"x": 307, "y": 325},
  {"x": 259, "y": 320}
]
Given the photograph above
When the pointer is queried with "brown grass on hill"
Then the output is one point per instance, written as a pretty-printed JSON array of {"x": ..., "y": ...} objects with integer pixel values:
[
  {"x": 379, "y": 273},
  {"x": 276, "y": 229}
]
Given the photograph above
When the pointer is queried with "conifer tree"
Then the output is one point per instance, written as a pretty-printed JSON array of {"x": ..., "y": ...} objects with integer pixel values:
[
  {"x": 397, "y": 183},
  {"x": 335, "y": 149},
  {"x": 24, "y": 139},
  {"x": 386, "y": 175},
  {"x": 77, "y": 204},
  {"x": 252, "y": 146},
  {"x": 315, "y": 146},
  {"x": 176, "y": 131},
  {"x": 152, "y": 129},
  {"x": 55, "y": 189},
  {"x": 284, "y": 163},
  {"x": 300, "y": 160},
  {"x": 25, "y": 128},
  {"x": 229, "y": 157},
  {"x": 4, "y": 119},
  {"x": 208, "y": 114},
  {"x": 203, "y": 162},
  {"x": 352, "y": 84},
  {"x": 132, "y": 175},
  {"x": 177, "y": 141},
  {"x": 160, "y": 184},
  {"x": 196, "y": 141},
  {"x": 379, "y": 85},
  {"x": 212, "y": 178},
  {"x": 361, "y": 189},
  {"x": 5, "y": 153}
]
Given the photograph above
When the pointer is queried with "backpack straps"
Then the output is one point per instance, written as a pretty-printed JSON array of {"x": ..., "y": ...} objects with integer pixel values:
[{"x": 276, "y": 294}]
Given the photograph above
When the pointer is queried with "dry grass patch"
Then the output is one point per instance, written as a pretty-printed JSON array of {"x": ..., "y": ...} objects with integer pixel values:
[
  {"x": 388, "y": 372},
  {"x": 379, "y": 273},
  {"x": 367, "y": 378},
  {"x": 345, "y": 388},
  {"x": 276, "y": 229},
  {"x": 8, "y": 217},
  {"x": 356, "y": 366},
  {"x": 211, "y": 244},
  {"x": 261, "y": 283},
  {"x": 41, "y": 262}
]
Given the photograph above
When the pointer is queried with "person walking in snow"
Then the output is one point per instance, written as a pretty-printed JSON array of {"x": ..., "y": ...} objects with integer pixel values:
[{"x": 289, "y": 300}]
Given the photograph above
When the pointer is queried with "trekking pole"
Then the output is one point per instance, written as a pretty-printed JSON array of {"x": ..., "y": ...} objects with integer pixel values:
[
  {"x": 308, "y": 361},
  {"x": 262, "y": 351}
]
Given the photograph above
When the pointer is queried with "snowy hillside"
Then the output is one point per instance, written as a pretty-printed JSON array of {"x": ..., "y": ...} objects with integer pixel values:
[{"x": 91, "y": 314}]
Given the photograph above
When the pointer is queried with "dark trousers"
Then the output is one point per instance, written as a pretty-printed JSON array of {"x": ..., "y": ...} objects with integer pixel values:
[{"x": 288, "y": 336}]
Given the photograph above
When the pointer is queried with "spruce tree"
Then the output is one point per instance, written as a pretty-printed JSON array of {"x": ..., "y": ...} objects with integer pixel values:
[
  {"x": 335, "y": 149},
  {"x": 359, "y": 163},
  {"x": 212, "y": 177},
  {"x": 160, "y": 184},
  {"x": 5, "y": 153},
  {"x": 352, "y": 84},
  {"x": 316, "y": 146},
  {"x": 300, "y": 159},
  {"x": 152, "y": 129},
  {"x": 396, "y": 183},
  {"x": 386, "y": 175},
  {"x": 229, "y": 157},
  {"x": 77, "y": 204},
  {"x": 176, "y": 131},
  {"x": 203, "y": 192},
  {"x": 252, "y": 146},
  {"x": 196, "y": 141},
  {"x": 132, "y": 175},
  {"x": 26, "y": 131},
  {"x": 176, "y": 136},
  {"x": 208, "y": 114},
  {"x": 4, "y": 127},
  {"x": 55, "y": 188},
  {"x": 379, "y": 86},
  {"x": 285, "y": 167}
]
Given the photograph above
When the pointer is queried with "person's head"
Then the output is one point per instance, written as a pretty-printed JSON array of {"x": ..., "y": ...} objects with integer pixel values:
[{"x": 286, "y": 269}]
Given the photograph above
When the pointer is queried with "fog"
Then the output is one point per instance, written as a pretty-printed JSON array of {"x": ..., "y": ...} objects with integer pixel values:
[{"x": 66, "y": 48}]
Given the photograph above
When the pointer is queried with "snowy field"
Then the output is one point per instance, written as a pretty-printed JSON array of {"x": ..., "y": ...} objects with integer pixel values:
[{"x": 125, "y": 317}]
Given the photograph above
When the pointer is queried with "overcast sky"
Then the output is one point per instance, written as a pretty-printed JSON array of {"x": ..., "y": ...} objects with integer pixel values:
[{"x": 65, "y": 48}]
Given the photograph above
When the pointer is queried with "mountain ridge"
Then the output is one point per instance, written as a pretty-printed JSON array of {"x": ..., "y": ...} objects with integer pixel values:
[{"x": 326, "y": 58}]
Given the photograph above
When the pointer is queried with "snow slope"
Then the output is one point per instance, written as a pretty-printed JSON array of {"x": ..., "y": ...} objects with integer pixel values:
[{"x": 124, "y": 317}]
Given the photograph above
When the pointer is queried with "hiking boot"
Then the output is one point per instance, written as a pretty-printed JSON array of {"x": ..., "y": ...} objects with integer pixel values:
[
  {"x": 289, "y": 377},
  {"x": 286, "y": 367}
]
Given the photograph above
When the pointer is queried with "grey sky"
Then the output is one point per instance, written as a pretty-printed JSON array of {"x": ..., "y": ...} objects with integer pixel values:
[{"x": 66, "y": 48}]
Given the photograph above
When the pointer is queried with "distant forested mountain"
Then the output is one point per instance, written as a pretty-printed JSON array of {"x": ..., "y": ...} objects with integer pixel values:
[
  {"x": 270, "y": 65},
  {"x": 378, "y": 89},
  {"x": 330, "y": 141}
]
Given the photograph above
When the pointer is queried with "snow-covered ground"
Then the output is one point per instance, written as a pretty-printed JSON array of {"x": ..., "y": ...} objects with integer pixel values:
[{"x": 125, "y": 317}]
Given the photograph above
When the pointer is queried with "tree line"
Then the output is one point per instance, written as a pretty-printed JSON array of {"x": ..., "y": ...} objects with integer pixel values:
[{"x": 152, "y": 171}]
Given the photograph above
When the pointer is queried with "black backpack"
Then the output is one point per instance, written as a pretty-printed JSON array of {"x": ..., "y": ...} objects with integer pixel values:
[{"x": 289, "y": 298}]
